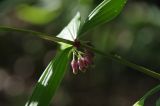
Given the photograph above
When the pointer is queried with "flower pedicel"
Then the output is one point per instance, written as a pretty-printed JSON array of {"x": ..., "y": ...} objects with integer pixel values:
[{"x": 82, "y": 60}]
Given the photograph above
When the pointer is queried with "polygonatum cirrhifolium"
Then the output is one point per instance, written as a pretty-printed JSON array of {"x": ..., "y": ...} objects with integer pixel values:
[{"x": 82, "y": 53}]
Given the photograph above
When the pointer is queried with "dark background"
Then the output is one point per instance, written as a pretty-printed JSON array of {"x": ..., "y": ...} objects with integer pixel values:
[{"x": 134, "y": 34}]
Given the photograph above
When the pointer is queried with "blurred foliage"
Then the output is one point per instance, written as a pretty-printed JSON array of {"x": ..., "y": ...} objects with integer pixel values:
[{"x": 134, "y": 35}]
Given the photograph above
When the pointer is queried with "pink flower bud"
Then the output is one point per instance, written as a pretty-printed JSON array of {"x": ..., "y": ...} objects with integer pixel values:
[
  {"x": 74, "y": 66},
  {"x": 87, "y": 61},
  {"x": 81, "y": 64},
  {"x": 89, "y": 56}
]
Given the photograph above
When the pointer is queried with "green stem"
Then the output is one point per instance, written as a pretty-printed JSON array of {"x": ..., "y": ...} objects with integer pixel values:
[
  {"x": 110, "y": 56},
  {"x": 39, "y": 34},
  {"x": 121, "y": 60}
]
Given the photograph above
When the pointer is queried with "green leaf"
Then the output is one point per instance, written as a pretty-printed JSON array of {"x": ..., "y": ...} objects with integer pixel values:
[
  {"x": 104, "y": 12},
  {"x": 50, "y": 80},
  {"x": 149, "y": 93},
  {"x": 71, "y": 30},
  {"x": 39, "y": 14},
  {"x": 30, "y": 13}
]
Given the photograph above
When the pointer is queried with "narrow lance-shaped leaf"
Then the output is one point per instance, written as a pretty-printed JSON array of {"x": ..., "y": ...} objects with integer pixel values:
[
  {"x": 71, "y": 30},
  {"x": 104, "y": 12},
  {"x": 50, "y": 80},
  {"x": 151, "y": 92}
]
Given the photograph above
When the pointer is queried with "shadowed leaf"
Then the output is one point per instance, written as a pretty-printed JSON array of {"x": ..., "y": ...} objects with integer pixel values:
[{"x": 50, "y": 80}]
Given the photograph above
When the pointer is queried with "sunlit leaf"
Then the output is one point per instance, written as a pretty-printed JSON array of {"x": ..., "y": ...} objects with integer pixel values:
[
  {"x": 71, "y": 30},
  {"x": 104, "y": 12},
  {"x": 149, "y": 93},
  {"x": 50, "y": 80}
]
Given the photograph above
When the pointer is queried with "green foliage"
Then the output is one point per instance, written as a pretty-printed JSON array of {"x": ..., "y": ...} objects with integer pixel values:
[
  {"x": 104, "y": 12},
  {"x": 52, "y": 76},
  {"x": 39, "y": 14},
  {"x": 54, "y": 73},
  {"x": 42, "y": 16},
  {"x": 149, "y": 93},
  {"x": 70, "y": 31},
  {"x": 50, "y": 80}
]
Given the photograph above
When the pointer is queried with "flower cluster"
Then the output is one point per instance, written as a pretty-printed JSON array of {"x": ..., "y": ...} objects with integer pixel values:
[{"x": 81, "y": 61}]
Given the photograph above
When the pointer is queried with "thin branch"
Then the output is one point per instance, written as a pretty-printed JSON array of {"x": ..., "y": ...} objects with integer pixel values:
[
  {"x": 38, "y": 34},
  {"x": 110, "y": 56},
  {"x": 123, "y": 61}
]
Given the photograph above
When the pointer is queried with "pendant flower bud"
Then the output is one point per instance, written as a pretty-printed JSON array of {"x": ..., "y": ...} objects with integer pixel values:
[
  {"x": 82, "y": 58},
  {"x": 89, "y": 57},
  {"x": 74, "y": 66},
  {"x": 89, "y": 54},
  {"x": 81, "y": 64},
  {"x": 87, "y": 61}
]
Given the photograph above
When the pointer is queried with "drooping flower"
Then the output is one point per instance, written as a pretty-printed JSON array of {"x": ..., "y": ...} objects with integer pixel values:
[
  {"x": 89, "y": 54},
  {"x": 87, "y": 61},
  {"x": 81, "y": 64},
  {"x": 74, "y": 65},
  {"x": 82, "y": 58}
]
